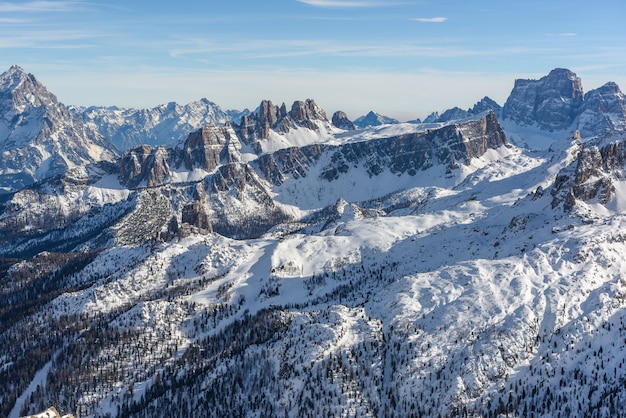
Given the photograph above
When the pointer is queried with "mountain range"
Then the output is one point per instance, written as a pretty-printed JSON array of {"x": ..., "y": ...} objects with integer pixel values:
[{"x": 281, "y": 263}]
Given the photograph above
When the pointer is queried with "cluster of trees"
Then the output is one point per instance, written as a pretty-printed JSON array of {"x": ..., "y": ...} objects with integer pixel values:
[{"x": 163, "y": 355}]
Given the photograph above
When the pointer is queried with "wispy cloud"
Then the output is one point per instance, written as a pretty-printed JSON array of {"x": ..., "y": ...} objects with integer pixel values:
[
  {"x": 344, "y": 3},
  {"x": 262, "y": 49},
  {"x": 431, "y": 19},
  {"x": 61, "y": 39},
  {"x": 11, "y": 20},
  {"x": 40, "y": 6}
]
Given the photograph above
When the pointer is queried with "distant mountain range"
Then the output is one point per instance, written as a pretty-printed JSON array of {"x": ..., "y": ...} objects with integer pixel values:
[
  {"x": 166, "y": 125},
  {"x": 187, "y": 261}
]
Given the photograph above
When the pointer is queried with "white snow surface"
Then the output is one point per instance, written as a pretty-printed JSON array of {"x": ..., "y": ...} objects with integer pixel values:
[{"x": 473, "y": 277}]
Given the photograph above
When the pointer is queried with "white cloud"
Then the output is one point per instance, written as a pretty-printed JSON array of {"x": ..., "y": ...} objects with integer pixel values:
[
  {"x": 431, "y": 19},
  {"x": 40, "y": 6},
  {"x": 343, "y": 3}
]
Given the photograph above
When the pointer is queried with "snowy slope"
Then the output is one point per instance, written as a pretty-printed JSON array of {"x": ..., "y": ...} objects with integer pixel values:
[
  {"x": 399, "y": 270},
  {"x": 166, "y": 125},
  {"x": 472, "y": 294}
]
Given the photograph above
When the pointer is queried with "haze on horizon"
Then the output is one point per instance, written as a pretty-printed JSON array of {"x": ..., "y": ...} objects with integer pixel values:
[{"x": 403, "y": 59}]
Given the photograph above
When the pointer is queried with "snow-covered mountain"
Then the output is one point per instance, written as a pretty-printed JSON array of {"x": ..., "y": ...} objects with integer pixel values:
[
  {"x": 483, "y": 105},
  {"x": 556, "y": 103},
  {"x": 39, "y": 137},
  {"x": 166, "y": 125},
  {"x": 286, "y": 266},
  {"x": 373, "y": 119}
]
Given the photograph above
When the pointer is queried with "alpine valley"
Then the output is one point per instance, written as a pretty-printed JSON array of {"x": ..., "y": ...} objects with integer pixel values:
[{"x": 186, "y": 261}]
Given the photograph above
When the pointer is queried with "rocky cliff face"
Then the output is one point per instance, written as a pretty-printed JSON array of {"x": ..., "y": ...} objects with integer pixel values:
[
  {"x": 341, "y": 121},
  {"x": 556, "y": 103},
  {"x": 144, "y": 166},
  {"x": 550, "y": 103},
  {"x": 267, "y": 117},
  {"x": 410, "y": 153},
  {"x": 603, "y": 110},
  {"x": 598, "y": 166},
  {"x": 211, "y": 147},
  {"x": 39, "y": 137}
]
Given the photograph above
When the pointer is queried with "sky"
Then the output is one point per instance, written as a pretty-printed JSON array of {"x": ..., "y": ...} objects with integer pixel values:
[{"x": 401, "y": 58}]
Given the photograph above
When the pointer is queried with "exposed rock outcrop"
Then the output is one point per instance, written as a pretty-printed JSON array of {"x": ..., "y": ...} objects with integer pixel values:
[
  {"x": 144, "y": 166},
  {"x": 550, "y": 103},
  {"x": 556, "y": 102},
  {"x": 599, "y": 164},
  {"x": 210, "y": 147},
  {"x": 483, "y": 105},
  {"x": 603, "y": 110},
  {"x": 267, "y": 116},
  {"x": 450, "y": 145},
  {"x": 341, "y": 121}
]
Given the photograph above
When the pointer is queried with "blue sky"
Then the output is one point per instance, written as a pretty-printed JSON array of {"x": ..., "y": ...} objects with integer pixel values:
[{"x": 402, "y": 58}]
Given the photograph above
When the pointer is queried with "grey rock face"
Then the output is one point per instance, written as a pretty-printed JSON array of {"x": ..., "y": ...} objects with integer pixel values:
[
  {"x": 451, "y": 145},
  {"x": 257, "y": 125},
  {"x": 484, "y": 105},
  {"x": 599, "y": 164},
  {"x": 210, "y": 147},
  {"x": 341, "y": 121},
  {"x": 144, "y": 165},
  {"x": 603, "y": 110},
  {"x": 551, "y": 103}
]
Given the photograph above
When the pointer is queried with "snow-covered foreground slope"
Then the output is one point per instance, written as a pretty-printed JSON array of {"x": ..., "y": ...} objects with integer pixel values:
[{"x": 469, "y": 296}]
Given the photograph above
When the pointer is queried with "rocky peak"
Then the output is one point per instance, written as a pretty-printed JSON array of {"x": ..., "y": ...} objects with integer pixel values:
[
  {"x": 210, "y": 147},
  {"x": 301, "y": 112},
  {"x": 144, "y": 166},
  {"x": 454, "y": 113},
  {"x": 167, "y": 124},
  {"x": 598, "y": 165},
  {"x": 258, "y": 124},
  {"x": 603, "y": 110},
  {"x": 39, "y": 137},
  {"x": 551, "y": 103},
  {"x": 267, "y": 117},
  {"x": 485, "y": 104},
  {"x": 19, "y": 90},
  {"x": 373, "y": 119},
  {"x": 341, "y": 121}
]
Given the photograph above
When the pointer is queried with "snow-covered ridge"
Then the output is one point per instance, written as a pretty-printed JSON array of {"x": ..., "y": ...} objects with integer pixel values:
[
  {"x": 39, "y": 138},
  {"x": 281, "y": 266}
]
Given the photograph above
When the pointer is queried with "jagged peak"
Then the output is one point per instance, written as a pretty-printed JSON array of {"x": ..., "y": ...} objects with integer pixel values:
[
  {"x": 563, "y": 72},
  {"x": 13, "y": 77},
  {"x": 608, "y": 88},
  {"x": 306, "y": 110}
]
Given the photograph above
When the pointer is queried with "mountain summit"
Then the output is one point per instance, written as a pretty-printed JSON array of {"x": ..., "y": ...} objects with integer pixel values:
[
  {"x": 556, "y": 103},
  {"x": 39, "y": 137}
]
